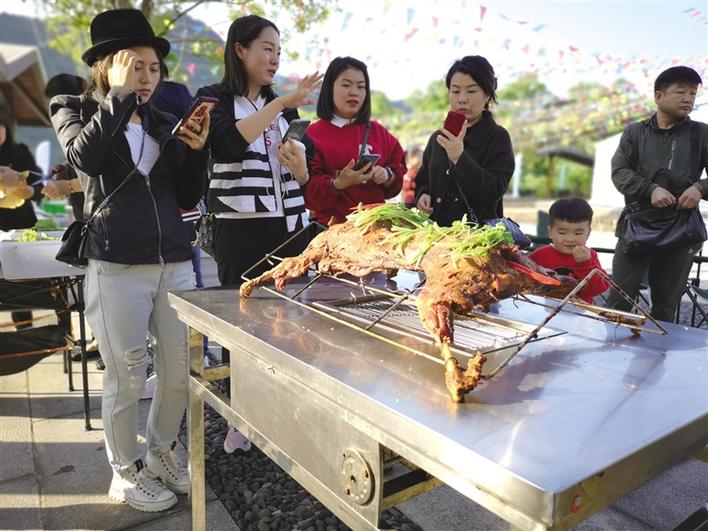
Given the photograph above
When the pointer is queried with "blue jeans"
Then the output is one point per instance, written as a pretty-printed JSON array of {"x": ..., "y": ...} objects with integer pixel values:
[{"x": 123, "y": 304}]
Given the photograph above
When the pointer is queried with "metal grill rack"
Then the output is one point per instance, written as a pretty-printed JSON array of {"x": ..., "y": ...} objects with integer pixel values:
[{"x": 390, "y": 315}]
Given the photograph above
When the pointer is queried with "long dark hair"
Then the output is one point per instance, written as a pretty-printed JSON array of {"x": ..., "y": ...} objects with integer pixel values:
[
  {"x": 7, "y": 120},
  {"x": 325, "y": 102},
  {"x": 243, "y": 30},
  {"x": 479, "y": 69}
]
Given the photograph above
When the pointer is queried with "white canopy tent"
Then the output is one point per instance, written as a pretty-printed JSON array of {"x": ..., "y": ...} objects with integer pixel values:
[{"x": 22, "y": 82}]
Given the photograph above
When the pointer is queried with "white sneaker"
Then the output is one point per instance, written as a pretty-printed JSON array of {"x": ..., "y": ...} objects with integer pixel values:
[
  {"x": 149, "y": 389},
  {"x": 235, "y": 440},
  {"x": 168, "y": 467},
  {"x": 139, "y": 489}
]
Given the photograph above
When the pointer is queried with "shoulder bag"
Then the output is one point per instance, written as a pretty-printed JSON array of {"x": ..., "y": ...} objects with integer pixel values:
[{"x": 646, "y": 229}]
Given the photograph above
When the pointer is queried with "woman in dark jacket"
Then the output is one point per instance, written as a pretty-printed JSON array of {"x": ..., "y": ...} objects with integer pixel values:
[
  {"x": 136, "y": 247},
  {"x": 19, "y": 158},
  {"x": 474, "y": 167}
]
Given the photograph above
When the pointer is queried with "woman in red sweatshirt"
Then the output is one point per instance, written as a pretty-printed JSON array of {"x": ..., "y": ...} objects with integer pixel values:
[{"x": 344, "y": 109}]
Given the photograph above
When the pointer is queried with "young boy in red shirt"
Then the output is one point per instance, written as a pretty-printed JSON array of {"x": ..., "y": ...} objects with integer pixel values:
[{"x": 569, "y": 229}]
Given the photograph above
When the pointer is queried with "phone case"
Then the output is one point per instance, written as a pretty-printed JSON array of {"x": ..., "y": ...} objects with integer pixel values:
[
  {"x": 365, "y": 159},
  {"x": 296, "y": 130},
  {"x": 199, "y": 108},
  {"x": 454, "y": 122}
]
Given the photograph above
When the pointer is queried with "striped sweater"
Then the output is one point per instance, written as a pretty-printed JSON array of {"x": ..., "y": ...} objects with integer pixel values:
[{"x": 247, "y": 180}]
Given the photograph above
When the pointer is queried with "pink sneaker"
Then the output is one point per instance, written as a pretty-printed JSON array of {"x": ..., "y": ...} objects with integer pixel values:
[{"x": 235, "y": 441}]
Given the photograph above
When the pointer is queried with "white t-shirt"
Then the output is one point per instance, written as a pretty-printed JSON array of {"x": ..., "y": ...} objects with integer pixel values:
[{"x": 151, "y": 150}]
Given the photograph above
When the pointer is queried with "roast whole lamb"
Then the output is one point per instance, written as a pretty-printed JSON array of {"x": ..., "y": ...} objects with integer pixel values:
[{"x": 466, "y": 268}]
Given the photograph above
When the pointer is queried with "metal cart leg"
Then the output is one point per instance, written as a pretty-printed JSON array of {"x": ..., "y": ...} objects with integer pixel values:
[
  {"x": 195, "y": 431},
  {"x": 82, "y": 343},
  {"x": 68, "y": 369}
]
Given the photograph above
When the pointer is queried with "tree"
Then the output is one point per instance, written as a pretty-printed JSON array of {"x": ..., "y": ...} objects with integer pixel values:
[
  {"x": 381, "y": 105},
  {"x": 524, "y": 88},
  {"x": 587, "y": 91},
  {"x": 433, "y": 99},
  {"x": 68, "y": 22}
]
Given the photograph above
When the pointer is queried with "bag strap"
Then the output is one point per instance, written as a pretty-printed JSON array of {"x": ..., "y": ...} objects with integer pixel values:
[
  {"x": 103, "y": 203},
  {"x": 471, "y": 217},
  {"x": 362, "y": 148},
  {"x": 108, "y": 198},
  {"x": 695, "y": 153}
]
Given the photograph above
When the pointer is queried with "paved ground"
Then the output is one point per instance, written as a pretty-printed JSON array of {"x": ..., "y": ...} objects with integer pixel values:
[{"x": 54, "y": 474}]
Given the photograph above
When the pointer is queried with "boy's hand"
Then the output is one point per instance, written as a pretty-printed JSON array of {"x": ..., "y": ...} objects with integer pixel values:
[{"x": 581, "y": 253}]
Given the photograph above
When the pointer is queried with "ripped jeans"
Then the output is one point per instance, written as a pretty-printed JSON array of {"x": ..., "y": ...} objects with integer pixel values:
[{"x": 123, "y": 304}]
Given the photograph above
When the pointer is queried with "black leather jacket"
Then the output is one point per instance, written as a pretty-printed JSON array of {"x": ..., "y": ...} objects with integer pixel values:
[{"x": 141, "y": 223}]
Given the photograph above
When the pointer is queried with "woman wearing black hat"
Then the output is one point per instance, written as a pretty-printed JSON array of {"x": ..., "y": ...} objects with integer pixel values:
[
  {"x": 468, "y": 173},
  {"x": 136, "y": 247}
]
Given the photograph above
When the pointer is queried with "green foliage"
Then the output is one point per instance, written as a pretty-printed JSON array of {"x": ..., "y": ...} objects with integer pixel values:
[
  {"x": 68, "y": 23},
  {"x": 381, "y": 105},
  {"x": 523, "y": 88},
  {"x": 411, "y": 226},
  {"x": 586, "y": 90},
  {"x": 433, "y": 99}
]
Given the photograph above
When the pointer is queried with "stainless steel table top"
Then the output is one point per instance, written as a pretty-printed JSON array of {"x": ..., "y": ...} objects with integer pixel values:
[{"x": 565, "y": 409}]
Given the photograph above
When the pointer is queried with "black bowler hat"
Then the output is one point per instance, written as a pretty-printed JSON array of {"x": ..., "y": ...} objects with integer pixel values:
[{"x": 118, "y": 29}]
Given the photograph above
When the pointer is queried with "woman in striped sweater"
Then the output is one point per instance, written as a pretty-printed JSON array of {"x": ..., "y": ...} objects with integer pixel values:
[{"x": 255, "y": 180}]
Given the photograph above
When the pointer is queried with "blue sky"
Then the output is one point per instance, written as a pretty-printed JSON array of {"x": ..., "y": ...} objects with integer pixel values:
[
  {"x": 629, "y": 27},
  {"x": 408, "y": 43}
]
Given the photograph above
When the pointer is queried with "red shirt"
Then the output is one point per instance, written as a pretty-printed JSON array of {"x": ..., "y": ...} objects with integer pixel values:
[
  {"x": 565, "y": 264},
  {"x": 335, "y": 147}
]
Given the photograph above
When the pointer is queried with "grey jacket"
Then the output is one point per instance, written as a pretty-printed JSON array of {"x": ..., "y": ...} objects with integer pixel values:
[{"x": 645, "y": 148}]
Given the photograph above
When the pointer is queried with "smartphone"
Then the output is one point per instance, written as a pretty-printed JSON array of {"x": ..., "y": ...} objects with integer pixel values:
[
  {"x": 199, "y": 108},
  {"x": 365, "y": 159},
  {"x": 454, "y": 122},
  {"x": 296, "y": 130}
]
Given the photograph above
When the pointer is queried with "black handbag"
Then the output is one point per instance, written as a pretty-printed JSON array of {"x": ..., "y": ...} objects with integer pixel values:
[
  {"x": 72, "y": 245},
  {"x": 520, "y": 238},
  {"x": 646, "y": 229},
  {"x": 74, "y": 239}
]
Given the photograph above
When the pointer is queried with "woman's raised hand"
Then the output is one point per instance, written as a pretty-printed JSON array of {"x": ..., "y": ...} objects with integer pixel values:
[
  {"x": 195, "y": 135},
  {"x": 301, "y": 96},
  {"x": 452, "y": 144},
  {"x": 121, "y": 73}
]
